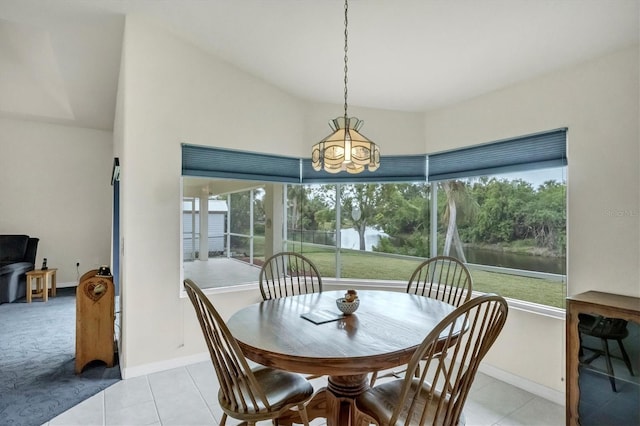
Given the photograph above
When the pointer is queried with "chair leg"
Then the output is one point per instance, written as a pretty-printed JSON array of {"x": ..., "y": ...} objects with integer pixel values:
[
  {"x": 223, "y": 420},
  {"x": 625, "y": 356},
  {"x": 607, "y": 356},
  {"x": 396, "y": 374},
  {"x": 374, "y": 376},
  {"x": 302, "y": 410}
]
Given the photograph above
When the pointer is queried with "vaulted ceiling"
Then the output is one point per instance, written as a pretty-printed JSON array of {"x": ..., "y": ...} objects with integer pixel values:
[{"x": 60, "y": 59}]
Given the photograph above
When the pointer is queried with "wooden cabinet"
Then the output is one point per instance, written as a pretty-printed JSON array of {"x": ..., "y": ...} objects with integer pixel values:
[
  {"x": 95, "y": 318},
  {"x": 583, "y": 399}
]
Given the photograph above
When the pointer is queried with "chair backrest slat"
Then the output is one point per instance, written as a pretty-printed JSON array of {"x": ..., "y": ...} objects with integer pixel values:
[
  {"x": 238, "y": 386},
  {"x": 444, "y": 278},
  {"x": 288, "y": 274},
  {"x": 452, "y": 358}
]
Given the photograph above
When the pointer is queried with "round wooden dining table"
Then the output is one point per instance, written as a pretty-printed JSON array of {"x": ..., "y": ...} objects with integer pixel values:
[{"x": 383, "y": 333}]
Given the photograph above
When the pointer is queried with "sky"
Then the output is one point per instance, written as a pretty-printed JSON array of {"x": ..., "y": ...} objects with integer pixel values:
[{"x": 537, "y": 177}]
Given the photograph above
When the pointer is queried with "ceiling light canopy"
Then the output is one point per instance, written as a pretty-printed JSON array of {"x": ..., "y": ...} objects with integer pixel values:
[{"x": 346, "y": 149}]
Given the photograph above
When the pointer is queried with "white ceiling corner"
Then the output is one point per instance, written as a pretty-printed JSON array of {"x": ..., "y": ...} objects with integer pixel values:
[{"x": 59, "y": 60}]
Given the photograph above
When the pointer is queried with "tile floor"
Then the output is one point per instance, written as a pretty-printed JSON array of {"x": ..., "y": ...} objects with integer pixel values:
[
  {"x": 207, "y": 274},
  {"x": 188, "y": 396}
]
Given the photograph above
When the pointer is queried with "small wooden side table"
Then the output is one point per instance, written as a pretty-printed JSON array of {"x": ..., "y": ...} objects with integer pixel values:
[{"x": 45, "y": 281}]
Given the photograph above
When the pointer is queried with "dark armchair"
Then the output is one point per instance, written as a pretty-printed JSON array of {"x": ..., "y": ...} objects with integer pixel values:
[{"x": 17, "y": 257}]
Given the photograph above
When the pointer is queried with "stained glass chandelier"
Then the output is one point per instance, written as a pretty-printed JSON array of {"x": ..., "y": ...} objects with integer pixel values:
[{"x": 345, "y": 149}]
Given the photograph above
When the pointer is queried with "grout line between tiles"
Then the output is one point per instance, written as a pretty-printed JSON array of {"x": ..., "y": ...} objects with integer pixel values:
[
  {"x": 506, "y": 416},
  {"x": 204, "y": 401},
  {"x": 104, "y": 408},
  {"x": 153, "y": 396}
]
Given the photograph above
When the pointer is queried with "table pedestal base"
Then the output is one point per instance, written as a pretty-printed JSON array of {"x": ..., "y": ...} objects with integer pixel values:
[{"x": 335, "y": 402}]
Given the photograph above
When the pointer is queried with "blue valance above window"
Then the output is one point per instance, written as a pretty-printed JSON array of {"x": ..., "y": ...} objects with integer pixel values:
[
  {"x": 541, "y": 150},
  {"x": 398, "y": 168},
  {"x": 206, "y": 161}
]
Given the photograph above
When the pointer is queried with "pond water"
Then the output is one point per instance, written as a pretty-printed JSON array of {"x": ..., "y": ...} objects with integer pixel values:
[
  {"x": 349, "y": 238},
  {"x": 553, "y": 265}
]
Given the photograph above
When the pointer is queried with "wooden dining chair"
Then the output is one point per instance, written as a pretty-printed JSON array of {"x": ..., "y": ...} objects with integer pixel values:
[
  {"x": 287, "y": 274},
  {"x": 438, "y": 394},
  {"x": 443, "y": 278},
  {"x": 246, "y": 394}
]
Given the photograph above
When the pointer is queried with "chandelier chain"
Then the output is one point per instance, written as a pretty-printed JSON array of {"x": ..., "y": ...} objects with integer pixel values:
[
  {"x": 346, "y": 48},
  {"x": 345, "y": 149}
]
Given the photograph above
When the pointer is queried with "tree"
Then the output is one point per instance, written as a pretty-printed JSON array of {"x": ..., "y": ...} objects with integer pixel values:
[
  {"x": 404, "y": 215},
  {"x": 239, "y": 212},
  {"x": 363, "y": 199},
  {"x": 309, "y": 210},
  {"x": 296, "y": 195},
  {"x": 458, "y": 197},
  {"x": 501, "y": 214},
  {"x": 545, "y": 216}
]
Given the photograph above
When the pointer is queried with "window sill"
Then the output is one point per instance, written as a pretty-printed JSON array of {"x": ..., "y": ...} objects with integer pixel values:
[
  {"x": 336, "y": 284},
  {"x": 521, "y": 305}
]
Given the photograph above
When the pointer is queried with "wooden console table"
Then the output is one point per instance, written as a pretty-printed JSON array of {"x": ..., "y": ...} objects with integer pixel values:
[{"x": 595, "y": 303}]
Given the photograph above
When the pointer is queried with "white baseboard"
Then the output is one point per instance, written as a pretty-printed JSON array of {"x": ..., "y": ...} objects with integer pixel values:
[
  {"x": 154, "y": 367},
  {"x": 535, "y": 388},
  {"x": 69, "y": 284}
]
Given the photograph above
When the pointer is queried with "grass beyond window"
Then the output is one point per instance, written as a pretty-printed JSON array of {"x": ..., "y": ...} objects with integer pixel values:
[{"x": 365, "y": 265}]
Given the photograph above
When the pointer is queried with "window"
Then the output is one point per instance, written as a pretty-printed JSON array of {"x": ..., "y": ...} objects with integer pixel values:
[
  {"x": 350, "y": 238},
  {"x": 216, "y": 222},
  {"x": 509, "y": 229},
  {"x": 235, "y": 235},
  {"x": 500, "y": 207}
]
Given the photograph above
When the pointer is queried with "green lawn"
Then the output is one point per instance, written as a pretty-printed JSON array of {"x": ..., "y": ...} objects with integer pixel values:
[
  {"x": 371, "y": 266},
  {"x": 536, "y": 290}
]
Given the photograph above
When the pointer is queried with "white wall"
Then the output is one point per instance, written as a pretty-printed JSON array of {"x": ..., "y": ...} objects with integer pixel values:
[
  {"x": 598, "y": 102},
  {"x": 56, "y": 185},
  {"x": 395, "y": 132},
  {"x": 177, "y": 93}
]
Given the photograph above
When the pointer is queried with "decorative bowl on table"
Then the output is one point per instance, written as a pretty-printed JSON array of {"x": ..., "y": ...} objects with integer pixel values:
[{"x": 347, "y": 307}]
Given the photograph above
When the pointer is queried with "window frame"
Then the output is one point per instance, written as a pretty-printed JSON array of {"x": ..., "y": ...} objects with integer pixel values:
[{"x": 540, "y": 150}]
